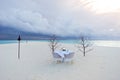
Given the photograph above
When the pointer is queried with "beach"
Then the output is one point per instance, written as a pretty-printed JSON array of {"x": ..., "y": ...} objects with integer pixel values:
[{"x": 36, "y": 63}]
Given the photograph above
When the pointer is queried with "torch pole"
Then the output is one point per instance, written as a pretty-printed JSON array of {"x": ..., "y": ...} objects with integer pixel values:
[
  {"x": 19, "y": 38},
  {"x": 18, "y": 49}
]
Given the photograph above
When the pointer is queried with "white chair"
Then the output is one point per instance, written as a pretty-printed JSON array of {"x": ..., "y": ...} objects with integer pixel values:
[
  {"x": 57, "y": 58},
  {"x": 69, "y": 57}
]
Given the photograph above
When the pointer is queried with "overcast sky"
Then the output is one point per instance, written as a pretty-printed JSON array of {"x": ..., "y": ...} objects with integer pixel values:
[{"x": 61, "y": 17}]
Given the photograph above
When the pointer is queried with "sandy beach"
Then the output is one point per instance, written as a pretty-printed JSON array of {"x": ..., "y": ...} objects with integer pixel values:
[{"x": 36, "y": 63}]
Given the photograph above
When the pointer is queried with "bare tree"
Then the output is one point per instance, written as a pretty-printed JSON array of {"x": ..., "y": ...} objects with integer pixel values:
[
  {"x": 53, "y": 43},
  {"x": 84, "y": 44}
]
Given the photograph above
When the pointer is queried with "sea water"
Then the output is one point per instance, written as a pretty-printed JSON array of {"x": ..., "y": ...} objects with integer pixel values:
[
  {"x": 7, "y": 41},
  {"x": 106, "y": 43}
]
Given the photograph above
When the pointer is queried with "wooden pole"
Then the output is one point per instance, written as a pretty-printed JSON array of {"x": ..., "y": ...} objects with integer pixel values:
[{"x": 19, "y": 47}]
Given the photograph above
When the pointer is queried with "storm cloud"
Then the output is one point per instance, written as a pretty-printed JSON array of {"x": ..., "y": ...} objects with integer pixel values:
[{"x": 60, "y": 17}]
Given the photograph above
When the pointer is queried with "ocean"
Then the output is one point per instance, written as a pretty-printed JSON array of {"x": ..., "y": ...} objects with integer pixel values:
[
  {"x": 7, "y": 41},
  {"x": 107, "y": 43}
]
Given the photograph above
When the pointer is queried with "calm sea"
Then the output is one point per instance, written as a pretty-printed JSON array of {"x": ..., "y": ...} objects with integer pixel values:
[
  {"x": 106, "y": 43},
  {"x": 7, "y": 41}
]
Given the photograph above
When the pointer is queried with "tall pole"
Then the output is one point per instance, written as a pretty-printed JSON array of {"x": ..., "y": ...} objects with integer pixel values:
[{"x": 19, "y": 38}]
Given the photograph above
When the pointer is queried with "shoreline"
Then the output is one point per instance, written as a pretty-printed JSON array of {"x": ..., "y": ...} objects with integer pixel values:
[{"x": 112, "y": 44}]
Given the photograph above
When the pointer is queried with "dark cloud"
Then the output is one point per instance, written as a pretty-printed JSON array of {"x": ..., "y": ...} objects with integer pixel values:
[{"x": 61, "y": 17}]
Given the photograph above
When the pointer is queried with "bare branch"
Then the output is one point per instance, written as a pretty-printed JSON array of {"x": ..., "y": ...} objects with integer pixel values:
[
  {"x": 53, "y": 43},
  {"x": 84, "y": 44},
  {"x": 89, "y": 50}
]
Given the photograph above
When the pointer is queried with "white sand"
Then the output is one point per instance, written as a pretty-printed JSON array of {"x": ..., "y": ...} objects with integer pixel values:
[{"x": 36, "y": 63}]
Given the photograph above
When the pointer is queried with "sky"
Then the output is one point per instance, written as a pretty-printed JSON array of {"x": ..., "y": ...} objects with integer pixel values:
[{"x": 62, "y": 17}]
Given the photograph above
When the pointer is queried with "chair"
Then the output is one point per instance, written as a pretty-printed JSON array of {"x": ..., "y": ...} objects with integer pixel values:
[
  {"x": 57, "y": 58},
  {"x": 69, "y": 57}
]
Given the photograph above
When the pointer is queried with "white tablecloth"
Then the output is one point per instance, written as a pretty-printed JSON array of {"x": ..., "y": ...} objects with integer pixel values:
[{"x": 62, "y": 53}]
